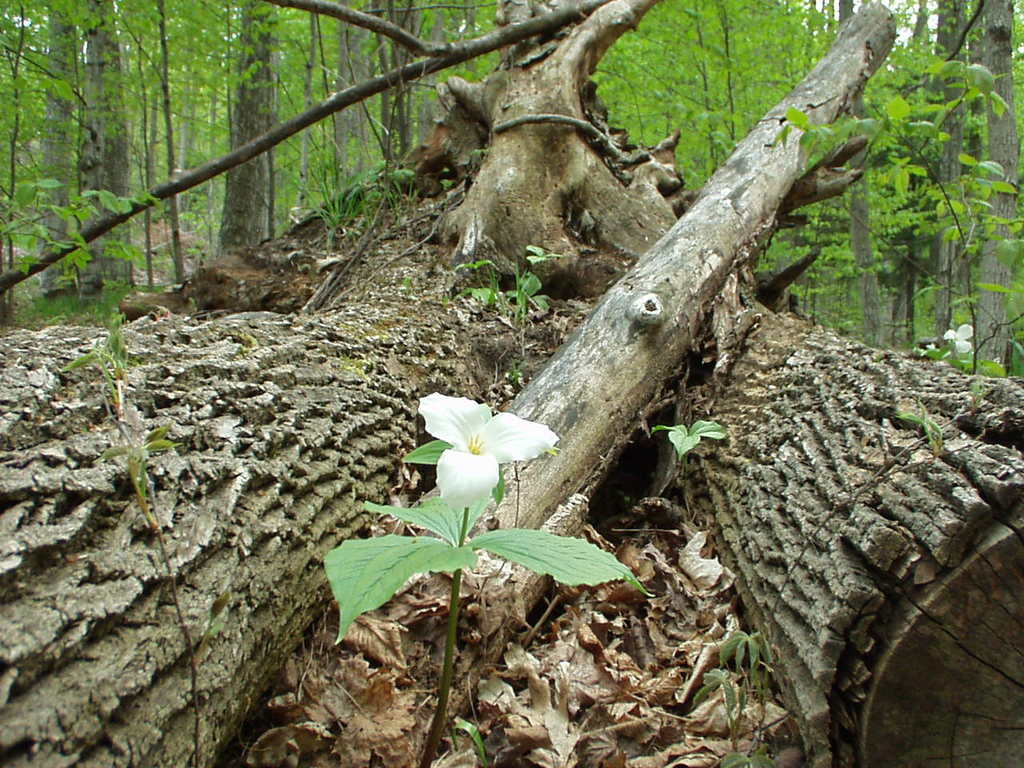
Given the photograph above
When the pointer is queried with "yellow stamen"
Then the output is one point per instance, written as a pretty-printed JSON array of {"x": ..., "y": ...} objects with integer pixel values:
[{"x": 476, "y": 445}]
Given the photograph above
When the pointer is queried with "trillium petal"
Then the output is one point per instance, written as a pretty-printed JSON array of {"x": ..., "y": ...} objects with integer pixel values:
[
  {"x": 465, "y": 478},
  {"x": 453, "y": 419},
  {"x": 510, "y": 438},
  {"x": 962, "y": 347},
  {"x": 965, "y": 332}
]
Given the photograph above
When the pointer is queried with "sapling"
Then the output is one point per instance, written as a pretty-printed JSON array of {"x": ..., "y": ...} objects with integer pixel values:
[
  {"x": 685, "y": 439},
  {"x": 472, "y": 443}
]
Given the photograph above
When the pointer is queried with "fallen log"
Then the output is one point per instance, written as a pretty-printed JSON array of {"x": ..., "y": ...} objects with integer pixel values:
[
  {"x": 885, "y": 565},
  {"x": 284, "y": 424}
]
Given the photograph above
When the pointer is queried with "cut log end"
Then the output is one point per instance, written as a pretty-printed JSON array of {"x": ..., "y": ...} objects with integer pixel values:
[{"x": 949, "y": 684}]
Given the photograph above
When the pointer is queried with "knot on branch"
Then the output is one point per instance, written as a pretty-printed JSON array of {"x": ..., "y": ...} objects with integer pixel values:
[{"x": 647, "y": 310}]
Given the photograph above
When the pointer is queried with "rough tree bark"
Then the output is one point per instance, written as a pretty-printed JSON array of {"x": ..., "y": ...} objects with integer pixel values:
[
  {"x": 886, "y": 568},
  {"x": 285, "y": 425}
]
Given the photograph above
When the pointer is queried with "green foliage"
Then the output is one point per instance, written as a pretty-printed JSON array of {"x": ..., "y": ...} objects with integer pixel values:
[
  {"x": 525, "y": 293},
  {"x": 744, "y": 673},
  {"x": 110, "y": 356},
  {"x": 101, "y": 310},
  {"x": 685, "y": 439},
  {"x": 569, "y": 561},
  {"x": 469, "y": 729},
  {"x": 365, "y": 573},
  {"x": 932, "y": 431},
  {"x": 428, "y": 453}
]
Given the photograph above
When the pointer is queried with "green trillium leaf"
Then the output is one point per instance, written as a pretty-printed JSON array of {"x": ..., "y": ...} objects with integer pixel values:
[
  {"x": 428, "y": 453},
  {"x": 365, "y": 573},
  {"x": 570, "y": 561},
  {"x": 683, "y": 442},
  {"x": 707, "y": 429},
  {"x": 433, "y": 514}
]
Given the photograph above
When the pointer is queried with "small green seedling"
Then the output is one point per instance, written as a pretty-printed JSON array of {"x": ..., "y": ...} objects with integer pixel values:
[
  {"x": 685, "y": 439},
  {"x": 744, "y": 673},
  {"x": 471, "y": 731},
  {"x": 932, "y": 431}
]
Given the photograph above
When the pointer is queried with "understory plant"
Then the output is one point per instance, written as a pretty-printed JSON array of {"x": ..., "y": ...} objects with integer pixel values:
[
  {"x": 525, "y": 293},
  {"x": 684, "y": 439},
  {"x": 472, "y": 443},
  {"x": 744, "y": 674}
]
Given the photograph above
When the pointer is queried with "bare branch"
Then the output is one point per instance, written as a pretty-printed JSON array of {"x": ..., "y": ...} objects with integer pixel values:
[
  {"x": 457, "y": 53},
  {"x": 359, "y": 19}
]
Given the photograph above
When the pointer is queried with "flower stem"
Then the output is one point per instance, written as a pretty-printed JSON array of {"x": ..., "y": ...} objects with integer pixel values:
[{"x": 448, "y": 667}]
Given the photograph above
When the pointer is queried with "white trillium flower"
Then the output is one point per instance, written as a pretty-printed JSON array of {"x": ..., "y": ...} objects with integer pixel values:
[
  {"x": 960, "y": 338},
  {"x": 468, "y": 471}
]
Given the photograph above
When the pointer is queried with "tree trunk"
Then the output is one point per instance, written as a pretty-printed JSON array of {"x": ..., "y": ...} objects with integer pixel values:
[
  {"x": 351, "y": 125},
  {"x": 993, "y": 332},
  {"x": 285, "y": 425},
  {"x": 883, "y": 566},
  {"x": 104, "y": 158},
  {"x": 950, "y": 260},
  {"x": 860, "y": 230},
  {"x": 58, "y": 152},
  {"x": 177, "y": 257},
  {"x": 243, "y": 220},
  {"x": 539, "y": 182}
]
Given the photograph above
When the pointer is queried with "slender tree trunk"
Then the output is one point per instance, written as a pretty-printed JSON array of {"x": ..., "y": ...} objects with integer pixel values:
[
  {"x": 860, "y": 229},
  {"x": 148, "y": 169},
  {"x": 993, "y": 333},
  {"x": 105, "y": 162},
  {"x": 14, "y": 60},
  {"x": 307, "y": 100},
  {"x": 351, "y": 125},
  {"x": 172, "y": 203},
  {"x": 921, "y": 21},
  {"x": 58, "y": 146},
  {"x": 949, "y": 253},
  {"x": 244, "y": 220}
]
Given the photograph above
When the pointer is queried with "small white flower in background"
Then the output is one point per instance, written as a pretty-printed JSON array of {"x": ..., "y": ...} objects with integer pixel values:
[
  {"x": 960, "y": 338},
  {"x": 468, "y": 471}
]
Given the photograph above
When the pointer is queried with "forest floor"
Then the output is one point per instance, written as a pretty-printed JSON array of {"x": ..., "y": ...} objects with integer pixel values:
[{"x": 599, "y": 677}]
